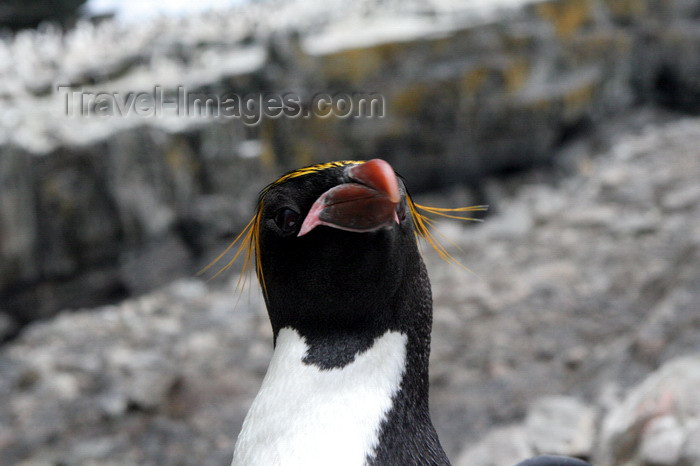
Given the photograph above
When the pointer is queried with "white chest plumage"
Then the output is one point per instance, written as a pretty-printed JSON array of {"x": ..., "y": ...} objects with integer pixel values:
[{"x": 307, "y": 416}]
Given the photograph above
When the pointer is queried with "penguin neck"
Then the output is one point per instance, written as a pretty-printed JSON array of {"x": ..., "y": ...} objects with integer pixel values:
[
  {"x": 334, "y": 342},
  {"x": 401, "y": 335},
  {"x": 338, "y": 323}
]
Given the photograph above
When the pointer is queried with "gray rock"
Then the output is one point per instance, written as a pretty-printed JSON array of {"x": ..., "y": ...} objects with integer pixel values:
[
  {"x": 502, "y": 447},
  {"x": 690, "y": 454},
  {"x": 681, "y": 198},
  {"x": 649, "y": 426},
  {"x": 662, "y": 441},
  {"x": 7, "y": 326},
  {"x": 575, "y": 305},
  {"x": 556, "y": 425},
  {"x": 561, "y": 426},
  {"x": 139, "y": 380}
]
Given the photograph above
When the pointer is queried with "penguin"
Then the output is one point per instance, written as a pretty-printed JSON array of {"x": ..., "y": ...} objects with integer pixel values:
[{"x": 335, "y": 250}]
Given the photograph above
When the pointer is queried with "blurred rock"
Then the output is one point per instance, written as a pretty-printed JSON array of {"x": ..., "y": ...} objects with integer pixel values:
[
  {"x": 656, "y": 424},
  {"x": 656, "y": 420},
  {"x": 504, "y": 446},
  {"x": 151, "y": 380},
  {"x": 154, "y": 264},
  {"x": 7, "y": 326},
  {"x": 580, "y": 303},
  {"x": 662, "y": 441},
  {"x": 561, "y": 426},
  {"x": 554, "y": 426},
  {"x": 691, "y": 450}
]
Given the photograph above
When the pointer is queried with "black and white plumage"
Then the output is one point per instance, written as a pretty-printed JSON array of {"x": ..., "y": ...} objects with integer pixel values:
[{"x": 350, "y": 305}]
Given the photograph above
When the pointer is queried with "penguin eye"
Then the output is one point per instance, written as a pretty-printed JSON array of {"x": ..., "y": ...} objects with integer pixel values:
[
  {"x": 401, "y": 211},
  {"x": 287, "y": 220}
]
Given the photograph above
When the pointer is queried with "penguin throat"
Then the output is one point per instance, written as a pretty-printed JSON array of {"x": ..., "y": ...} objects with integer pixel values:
[
  {"x": 337, "y": 350},
  {"x": 311, "y": 415}
]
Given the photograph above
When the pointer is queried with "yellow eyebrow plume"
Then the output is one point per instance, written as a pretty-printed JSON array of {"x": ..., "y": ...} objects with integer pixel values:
[
  {"x": 423, "y": 225},
  {"x": 312, "y": 169},
  {"x": 248, "y": 240}
]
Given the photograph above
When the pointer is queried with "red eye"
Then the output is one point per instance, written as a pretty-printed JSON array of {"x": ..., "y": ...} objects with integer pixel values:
[{"x": 287, "y": 220}]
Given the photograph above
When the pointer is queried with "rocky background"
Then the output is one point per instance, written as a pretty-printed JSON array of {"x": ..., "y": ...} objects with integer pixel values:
[{"x": 575, "y": 330}]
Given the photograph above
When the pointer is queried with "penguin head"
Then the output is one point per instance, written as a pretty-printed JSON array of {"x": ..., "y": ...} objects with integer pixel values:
[{"x": 335, "y": 246}]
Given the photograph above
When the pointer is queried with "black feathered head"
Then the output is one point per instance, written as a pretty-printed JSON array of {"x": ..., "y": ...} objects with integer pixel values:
[{"x": 334, "y": 234}]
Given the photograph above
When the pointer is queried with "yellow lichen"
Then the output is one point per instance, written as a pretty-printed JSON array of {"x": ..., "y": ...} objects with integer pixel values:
[
  {"x": 474, "y": 79},
  {"x": 267, "y": 153},
  {"x": 302, "y": 153},
  {"x": 567, "y": 16},
  {"x": 176, "y": 156},
  {"x": 625, "y": 8},
  {"x": 515, "y": 75},
  {"x": 577, "y": 99},
  {"x": 409, "y": 99},
  {"x": 353, "y": 66}
]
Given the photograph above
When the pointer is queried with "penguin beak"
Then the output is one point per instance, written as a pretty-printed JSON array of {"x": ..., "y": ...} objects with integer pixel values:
[{"x": 367, "y": 203}]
